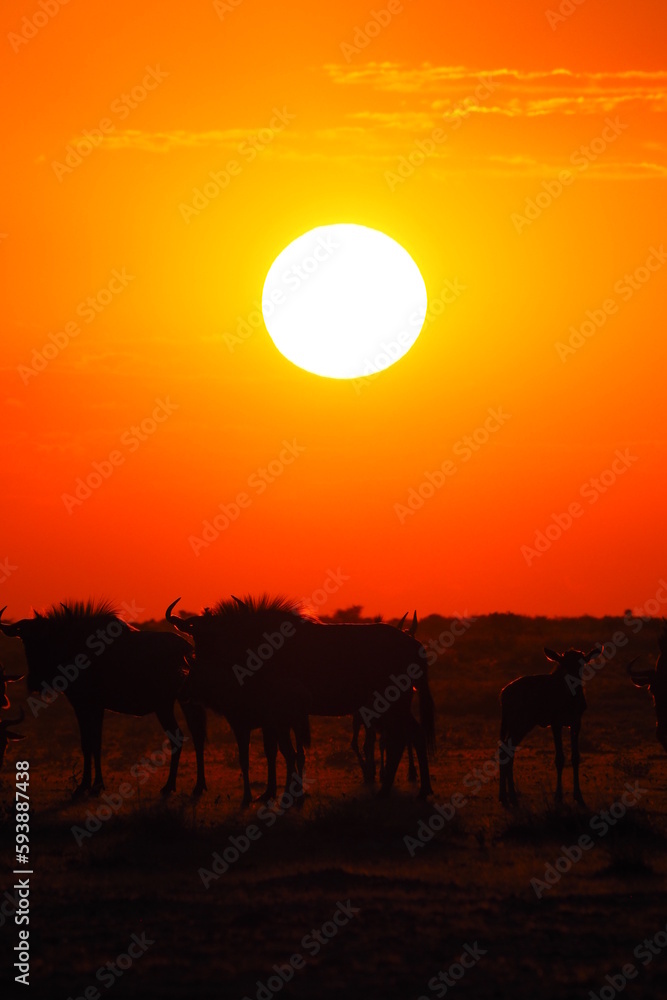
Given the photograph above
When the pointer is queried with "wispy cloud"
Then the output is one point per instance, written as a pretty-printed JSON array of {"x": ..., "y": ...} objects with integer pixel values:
[{"x": 516, "y": 92}]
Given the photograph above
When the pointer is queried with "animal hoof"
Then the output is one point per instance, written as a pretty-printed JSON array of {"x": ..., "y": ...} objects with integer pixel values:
[
  {"x": 412, "y": 775},
  {"x": 198, "y": 790},
  {"x": 166, "y": 790},
  {"x": 96, "y": 789},
  {"x": 80, "y": 791},
  {"x": 580, "y": 799},
  {"x": 267, "y": 796}
]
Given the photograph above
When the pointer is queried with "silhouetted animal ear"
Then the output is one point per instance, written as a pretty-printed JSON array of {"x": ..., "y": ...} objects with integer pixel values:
[
  {"x": 551, "y": 655},
  {"x": 5, "y": 703},
  {"x": 413, "y": 628},
  {"x": 593, "y": 653},
  {"x": 402, "y": 621}
]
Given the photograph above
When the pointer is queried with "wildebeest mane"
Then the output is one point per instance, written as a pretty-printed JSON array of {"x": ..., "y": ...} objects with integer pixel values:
[
  {"x": 87, "y": 614},
  {"x": 264, "y": 604}
]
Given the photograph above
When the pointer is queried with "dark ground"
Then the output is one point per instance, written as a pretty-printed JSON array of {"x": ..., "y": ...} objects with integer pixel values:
[{"x": 470, "y": 885}]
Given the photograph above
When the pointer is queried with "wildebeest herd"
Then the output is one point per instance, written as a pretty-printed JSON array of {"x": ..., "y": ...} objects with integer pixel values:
[{"x": 264, "y": 663}]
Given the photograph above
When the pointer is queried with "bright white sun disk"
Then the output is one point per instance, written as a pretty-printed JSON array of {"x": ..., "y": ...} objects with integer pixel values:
[{"x": 344, "y": 301}]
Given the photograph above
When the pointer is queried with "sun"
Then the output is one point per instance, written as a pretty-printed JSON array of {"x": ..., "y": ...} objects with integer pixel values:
[{"x": 344, "y": 301}]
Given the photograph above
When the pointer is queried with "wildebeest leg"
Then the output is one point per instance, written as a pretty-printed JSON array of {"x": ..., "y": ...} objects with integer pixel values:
[
  {"x": 195, "y": 716},
  {"x": 243, "y": 742},
  {"x": 383, "y": 756},
  {"x": 85, "y": 729},
  {"x": 560, "y": 759},
  {"x": 167, "y": 720},
  {"x": 574, "y": 744},
  {"x": 508, "y": 739},
  {"x": 369, "y": 756},
  {"x": 356, "y": 727},
  {"x": 395, "y": 745},
  {"x": 270, "y": 750},
  {"x": 287, "y": 750},
  {"x": 96, "y": 741},
  {"x": 412, "y": 770},
  {"x": 300, "y": 754},
  {"x": 417, "y": 740}
]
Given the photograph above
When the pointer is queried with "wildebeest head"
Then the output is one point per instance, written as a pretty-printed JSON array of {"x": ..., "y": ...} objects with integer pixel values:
[
  {"x": 7, "y": 735},
  {"x": 6, "y": 679},
  {"x": 572, "y": 661},
  {"x": 228, "y": 637}
]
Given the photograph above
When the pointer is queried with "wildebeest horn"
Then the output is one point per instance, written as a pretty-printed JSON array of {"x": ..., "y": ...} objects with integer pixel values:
[
  {"x": 551, "y": 654},
  {"x": 413, "y": 628},
  {"x": 12, "y": 722},
  {"x": 171, "y": 618},
  {"x": 593, "y": 653},
  {"x": 12, "y": 630},
  {"x": 402, "y": 621}
]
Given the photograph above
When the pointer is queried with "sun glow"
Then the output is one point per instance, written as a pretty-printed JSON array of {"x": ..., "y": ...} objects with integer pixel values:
[{"x": 344, "y": 301}]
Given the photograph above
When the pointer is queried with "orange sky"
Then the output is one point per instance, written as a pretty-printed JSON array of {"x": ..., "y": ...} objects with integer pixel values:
[{"x": 168, "y": 94}]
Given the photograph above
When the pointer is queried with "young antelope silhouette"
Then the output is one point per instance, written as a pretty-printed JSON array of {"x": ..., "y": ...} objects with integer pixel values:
[
  {"x": 556, "y": 700},
  {"x": 656, "y": 681}
]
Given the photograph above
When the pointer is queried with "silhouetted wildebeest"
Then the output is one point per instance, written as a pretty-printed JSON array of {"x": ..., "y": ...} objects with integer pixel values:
[
  {"x": 265, "y": 701},
  {"x": 6, "y": 734},
  {"x": 6, "y": 679},
  {"x": 100, "y": 662},
  {"x": 337, "y": 669},
  {"x": 556, "y": 699},
  {"x": 367, "y": 757},
  {"x": 656, "y": 680}
]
